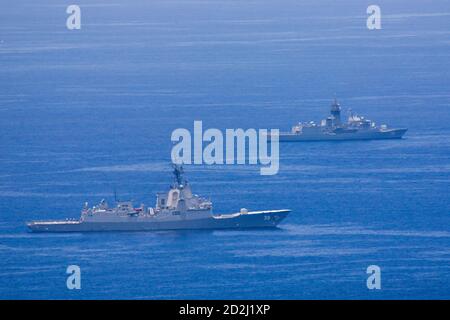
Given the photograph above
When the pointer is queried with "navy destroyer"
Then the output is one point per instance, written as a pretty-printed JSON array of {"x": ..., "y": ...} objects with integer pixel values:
[
  {"x": 176, "y": 209},
  {"x": 331, "y": 128}
]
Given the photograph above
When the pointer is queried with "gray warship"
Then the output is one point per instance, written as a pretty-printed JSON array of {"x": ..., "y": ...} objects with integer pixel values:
[
  {"x": 331, "y": 128},
  {"x": 176, "y": 209}
]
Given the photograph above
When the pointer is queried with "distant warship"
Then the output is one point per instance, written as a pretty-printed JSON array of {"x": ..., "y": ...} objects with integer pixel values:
[
  {"x": 174, "y": 210},
  {"x": 331, "y": 128}
]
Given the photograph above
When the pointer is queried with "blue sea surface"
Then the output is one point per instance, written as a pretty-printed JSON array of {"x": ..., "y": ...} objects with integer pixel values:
[{"x": 84, "y": 112}]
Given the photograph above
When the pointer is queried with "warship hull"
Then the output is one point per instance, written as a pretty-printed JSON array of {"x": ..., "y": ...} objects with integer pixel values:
[
  {"x": 256, "y": 219},
  {"x": 359, "y": 135}
]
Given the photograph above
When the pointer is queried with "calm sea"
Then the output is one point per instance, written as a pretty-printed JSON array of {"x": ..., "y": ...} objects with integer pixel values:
[{"x": 84, "y": 112}]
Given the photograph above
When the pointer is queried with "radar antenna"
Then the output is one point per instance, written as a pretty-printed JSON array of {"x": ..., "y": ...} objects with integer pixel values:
[
  {"x": 336, "y": 112},
  {"x": 335, "y": 105},
  {"x": 178, "y": 173}
]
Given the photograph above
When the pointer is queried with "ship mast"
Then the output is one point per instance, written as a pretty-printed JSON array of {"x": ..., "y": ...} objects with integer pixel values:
[
  {"x": 336, "y": 112},
  {"x": 178, "y": 173}
]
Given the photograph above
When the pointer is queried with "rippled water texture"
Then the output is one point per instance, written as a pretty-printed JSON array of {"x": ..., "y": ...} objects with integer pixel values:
[{"x": 88, "y": 111}]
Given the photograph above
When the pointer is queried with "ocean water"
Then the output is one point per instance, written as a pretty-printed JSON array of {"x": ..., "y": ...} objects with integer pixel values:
[{"x": 87, "y": 111}]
